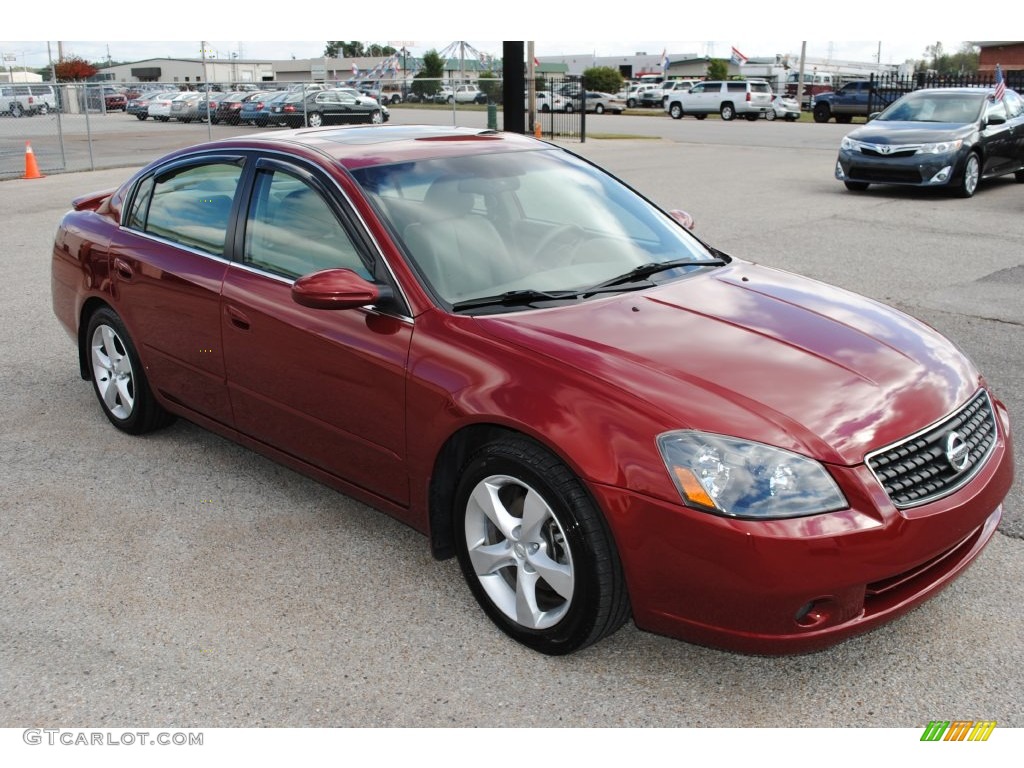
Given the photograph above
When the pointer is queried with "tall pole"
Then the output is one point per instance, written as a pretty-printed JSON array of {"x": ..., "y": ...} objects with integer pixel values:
[
  {"x": 531, "y": 86},
  {"x": 800, "y": 81}
]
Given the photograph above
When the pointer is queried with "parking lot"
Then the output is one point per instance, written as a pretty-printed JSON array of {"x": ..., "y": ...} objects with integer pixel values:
[{"x": 181, "y": 580}]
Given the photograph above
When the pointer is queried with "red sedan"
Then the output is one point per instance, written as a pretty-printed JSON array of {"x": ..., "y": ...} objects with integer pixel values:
[{"x": 506, "y": 348}]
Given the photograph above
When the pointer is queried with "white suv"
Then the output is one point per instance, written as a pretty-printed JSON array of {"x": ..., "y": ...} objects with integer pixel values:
[
  {"x": 728, "y": 98},
  {"x": 17, "y": 100}
]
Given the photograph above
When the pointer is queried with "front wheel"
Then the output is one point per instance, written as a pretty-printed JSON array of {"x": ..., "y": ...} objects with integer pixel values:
[
  {"x": 770, "y": 115},
  {"x": 118, "y": 377},
  {"x": 142, "y": 117},
  {"x": 856, "y": 186},
  {"x": 535, "y": 551},
  {"x": 376, "y": 117},
  {"x": 753, "y": 117},
  {"x": 676, "y": 111},
  {"x": 727, "y": 112},
  {"x": 972, "y": 174},
  {"x": 822, "y": 113},
  {"x": 631, "y": 103},
  {"x": 43, "y": 109}
]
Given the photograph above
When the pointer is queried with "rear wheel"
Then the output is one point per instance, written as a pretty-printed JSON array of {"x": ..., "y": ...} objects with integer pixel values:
[
  {"x": 1019, "y": 177},
  {"x": 142, "y": 117},
  {"x": 535, "y": 551},
  {"x": 16, "y": 110},
  {"x": 753, "y": 117},
  {"x": 118, "y": 377},
  {"x": 599, "y": 109},
  {"x": 314, "y": 120}
]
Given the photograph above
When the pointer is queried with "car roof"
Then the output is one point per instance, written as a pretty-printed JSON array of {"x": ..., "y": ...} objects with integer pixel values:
[{"x": 362, "y": 146}]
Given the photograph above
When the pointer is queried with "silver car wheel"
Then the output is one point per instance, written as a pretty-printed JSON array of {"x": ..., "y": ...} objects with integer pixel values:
[
  {"x": 112, "y": 372},
  {"x": 972, "y": 174},
  {"x": 519, "y": 552},
  {"x": 315, "y": 120},
  {"x": 377, "y": 117}
]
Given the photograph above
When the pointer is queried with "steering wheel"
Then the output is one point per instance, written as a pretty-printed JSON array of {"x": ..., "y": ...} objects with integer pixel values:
[{"x": 559, "y": 239}]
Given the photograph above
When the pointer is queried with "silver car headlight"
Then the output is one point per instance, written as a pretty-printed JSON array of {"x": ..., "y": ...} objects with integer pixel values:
[
  {"x": 740, "y": 478},
  {"x": 940, "y": 147},
  {"x": 849, "y": 144}
]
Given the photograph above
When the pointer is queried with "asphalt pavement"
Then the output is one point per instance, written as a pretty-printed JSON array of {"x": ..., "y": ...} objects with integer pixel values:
[{"x": 179, "y": 580}]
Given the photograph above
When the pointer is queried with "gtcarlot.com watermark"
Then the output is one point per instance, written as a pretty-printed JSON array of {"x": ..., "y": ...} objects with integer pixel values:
[{"x": 71, "y": 737}]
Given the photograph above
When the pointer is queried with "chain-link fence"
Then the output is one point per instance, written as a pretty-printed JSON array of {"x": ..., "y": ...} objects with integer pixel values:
[{"x": 81, "y": 127}]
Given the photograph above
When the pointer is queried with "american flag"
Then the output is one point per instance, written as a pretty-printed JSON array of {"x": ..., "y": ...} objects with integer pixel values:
[
  {"x": 737, "y": 57},
  {"x": 1000, "y": 85}
]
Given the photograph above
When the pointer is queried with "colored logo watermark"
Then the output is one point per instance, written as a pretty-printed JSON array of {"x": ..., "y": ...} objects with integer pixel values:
[{"x": 958, "y": 730}]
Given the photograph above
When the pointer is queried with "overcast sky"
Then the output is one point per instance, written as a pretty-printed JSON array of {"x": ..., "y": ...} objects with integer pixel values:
[{"x": 178, "y": 28}]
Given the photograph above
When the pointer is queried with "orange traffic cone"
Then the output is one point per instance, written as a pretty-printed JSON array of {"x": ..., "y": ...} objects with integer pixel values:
[{"x": 31, "y": 167}]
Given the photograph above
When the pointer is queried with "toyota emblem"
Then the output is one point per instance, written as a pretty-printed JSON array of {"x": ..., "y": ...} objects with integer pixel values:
[{"x": 958, "y": 453}]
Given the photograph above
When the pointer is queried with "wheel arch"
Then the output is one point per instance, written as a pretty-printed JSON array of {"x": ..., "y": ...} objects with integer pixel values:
[{"x": 89, "y": 308}]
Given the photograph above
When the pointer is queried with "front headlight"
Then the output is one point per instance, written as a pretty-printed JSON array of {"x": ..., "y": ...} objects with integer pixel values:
[
  {"x": 849, "y": 144},
  {"x": 740, "y": 478},
  {"x": 940, "y": 147}
]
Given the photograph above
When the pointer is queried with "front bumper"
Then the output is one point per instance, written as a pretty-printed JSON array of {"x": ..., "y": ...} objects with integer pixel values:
[
  {"x": 914, "y": 170},
  {"x": 803, "y": 584}
]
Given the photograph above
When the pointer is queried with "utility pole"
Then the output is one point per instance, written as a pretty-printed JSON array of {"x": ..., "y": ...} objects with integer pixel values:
[
  {"x": 531, "y": 85},
  {"x": 800, "y": 80}
]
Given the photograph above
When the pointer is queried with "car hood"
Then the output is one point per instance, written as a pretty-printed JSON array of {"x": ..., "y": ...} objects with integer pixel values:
[
  {"x": 760, "y": 354},
  {"x": 896, "y": 132}
]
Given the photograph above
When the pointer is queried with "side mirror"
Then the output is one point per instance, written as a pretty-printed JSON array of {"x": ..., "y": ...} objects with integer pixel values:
[
  {"x": 335, "y": 289},
  {"x": 995, "y": 119},
  {"x": 683, "y": 218},
  {"x": 873, "y": 115}
]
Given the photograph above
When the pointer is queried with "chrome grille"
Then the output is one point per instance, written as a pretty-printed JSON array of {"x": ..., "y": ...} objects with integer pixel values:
[{"x": 933, "y": 463}]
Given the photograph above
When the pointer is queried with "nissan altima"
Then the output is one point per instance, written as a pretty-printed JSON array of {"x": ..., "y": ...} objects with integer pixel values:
[
  {"x": 603, "y": 417},
  {"x": 951, "y": 138}
]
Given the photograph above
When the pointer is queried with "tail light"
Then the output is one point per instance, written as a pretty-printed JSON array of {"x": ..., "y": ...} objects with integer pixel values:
[{"x": 748, "y": 95}]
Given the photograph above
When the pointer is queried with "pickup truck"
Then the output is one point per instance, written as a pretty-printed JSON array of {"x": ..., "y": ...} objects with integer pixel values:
[{"x": 859, "y": 98}]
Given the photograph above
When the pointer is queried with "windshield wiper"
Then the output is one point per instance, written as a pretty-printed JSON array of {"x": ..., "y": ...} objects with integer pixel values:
[
  {"x": 646, "y": 270},
  {"x": 512, "y": 298}
]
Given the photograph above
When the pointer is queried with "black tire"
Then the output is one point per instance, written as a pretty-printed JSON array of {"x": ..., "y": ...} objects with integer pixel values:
[
  {"x": 376, "y": 117},
  {"x": 856, "y": 186},
  {"x": 631, "y": 103},
  {"x": 43, "y": 109},
  {"x": 770, "y": 114},
  {"x": 1019, "y": 177},
  {"x": 16, "y": 110},
  {"x": 566, "y": 565},
  {"x": 700, "y": 117},
  {"x": 970, "y": 177},
  {"x": 676, "y": 111},
  {"x": 822, "y": 113},
  {"x": 753, "y": 117},
  {"x": 141, "y": 116},
  {"x": 844, "y": 119},
  {"x": 314, "y": 119},
  {"x": 545, "y": 108},
  {"x": 599, "y": 109},
  {"x": 567, "y": 108},
  {"x": 118, "y": 378},
  {"x": 727, "y": 111}
]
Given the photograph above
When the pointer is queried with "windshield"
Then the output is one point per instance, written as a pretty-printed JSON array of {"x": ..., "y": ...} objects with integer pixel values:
[
  {"x": 929, "y": 107},
  {"x": 541, "y": 221}
]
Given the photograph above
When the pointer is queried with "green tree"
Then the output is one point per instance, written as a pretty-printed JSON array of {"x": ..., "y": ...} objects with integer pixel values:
[
  {"x": 428, "y": 80},
  {"x": 718, "y": 69},
  {"x": 605, "y": 79},
  {"x": 490, "y": 85}
]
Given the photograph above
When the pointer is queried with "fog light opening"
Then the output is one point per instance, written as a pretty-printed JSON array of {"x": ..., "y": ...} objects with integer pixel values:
[
  {"x": 815, "y": 612},
  {"x": 839, "y": 171},
  {"x": 942, "y": 176}
]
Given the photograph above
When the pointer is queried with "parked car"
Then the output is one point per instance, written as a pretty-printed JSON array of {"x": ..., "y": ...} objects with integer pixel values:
[
  {"x": 675, "y": 86},
  {"x": 185, "y": 106},
  {"x": 783, "y": 108},
  {"x": 206, "y": 108},
  {"x": 229, "y": 109},
  {"x": 327, "y": 107},
  {"x": 727, "y": 98},
  {"x": 114, "y": 100},
  {"x": 938, "y": 137},
  {"x": 550, "y": 102},
  {"x": 254, "y": 110},
  {"x": 468, "y": 94},
  {"x": 19, "y": 100},
  {"x": 159, "y": 107},
  {"x": 513, "y": 352},
  {"x": 600, "y": 103},
  {"x": 635, "y": 94}
]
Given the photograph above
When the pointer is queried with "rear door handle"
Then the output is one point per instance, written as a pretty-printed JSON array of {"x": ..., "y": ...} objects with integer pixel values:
[{"x": 237, "y": 318}]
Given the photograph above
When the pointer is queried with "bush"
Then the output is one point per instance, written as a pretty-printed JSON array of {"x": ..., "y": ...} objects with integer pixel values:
[{"x": 605, "y": 79}]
